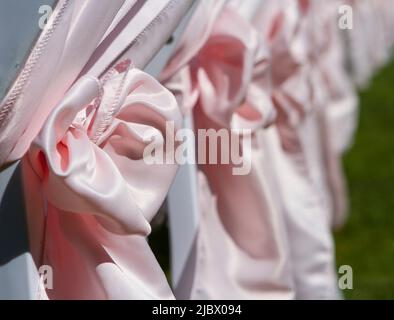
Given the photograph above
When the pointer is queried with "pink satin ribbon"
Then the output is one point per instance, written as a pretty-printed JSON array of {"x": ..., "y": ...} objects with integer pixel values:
[
  {"x": 298, "y": 163},
  {"x": 241, "y": 249},
  {"x": 89, "y": 186},
  {"x": 80, "y": 38}
]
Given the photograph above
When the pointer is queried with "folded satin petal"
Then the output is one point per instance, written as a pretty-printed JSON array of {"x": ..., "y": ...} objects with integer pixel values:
[{"x": 98, "y": 191}]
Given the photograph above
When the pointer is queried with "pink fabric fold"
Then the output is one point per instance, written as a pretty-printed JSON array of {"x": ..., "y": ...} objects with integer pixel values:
[
  {"x": 72, "y": 34},
  {"x": 241, "y": 250},
  {"x": 336, "y": 102},
  {"x": 80, "y": 38},
  {"x": 298, "y": 160},
  {"x": 370, "y": 40},
  {"x": 88, "y": 184}
]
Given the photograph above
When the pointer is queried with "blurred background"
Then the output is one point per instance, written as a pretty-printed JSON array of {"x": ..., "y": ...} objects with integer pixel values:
[{"x": 366, "y": 243}]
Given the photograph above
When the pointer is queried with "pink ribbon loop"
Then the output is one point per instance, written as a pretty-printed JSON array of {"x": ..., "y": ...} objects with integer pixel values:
[
  {"x": 100, "y": 192},
  {"x": 226, "y": 77}
]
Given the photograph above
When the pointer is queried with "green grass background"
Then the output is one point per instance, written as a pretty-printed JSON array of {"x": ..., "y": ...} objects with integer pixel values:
[{"x": 366, "y": 243}]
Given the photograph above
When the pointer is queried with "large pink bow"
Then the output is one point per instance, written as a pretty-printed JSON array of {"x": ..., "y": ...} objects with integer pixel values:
[
  {"x": 97, "y": 192},
  {"x": 226, "y": 86},
  {"x": 223, "y": 85},
  {"x": 224, "y": 77}
]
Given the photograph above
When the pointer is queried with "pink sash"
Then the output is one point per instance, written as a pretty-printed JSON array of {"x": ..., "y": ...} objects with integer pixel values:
[
  {"x": 90, "y": 194},
  {"x": 241, "y": 249},
  {"x": 297, "y": 161}
]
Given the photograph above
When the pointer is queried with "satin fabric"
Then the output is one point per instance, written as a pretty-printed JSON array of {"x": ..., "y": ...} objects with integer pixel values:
[
  {"x": 80, "y": 38},
  {"x": 90, "y": 193},
  {"x": 241, "y": 249},
  {"x": 335, "y": 99},
  {"x": 298, "y": 160},
  {"x": 90, "y": 196}
]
